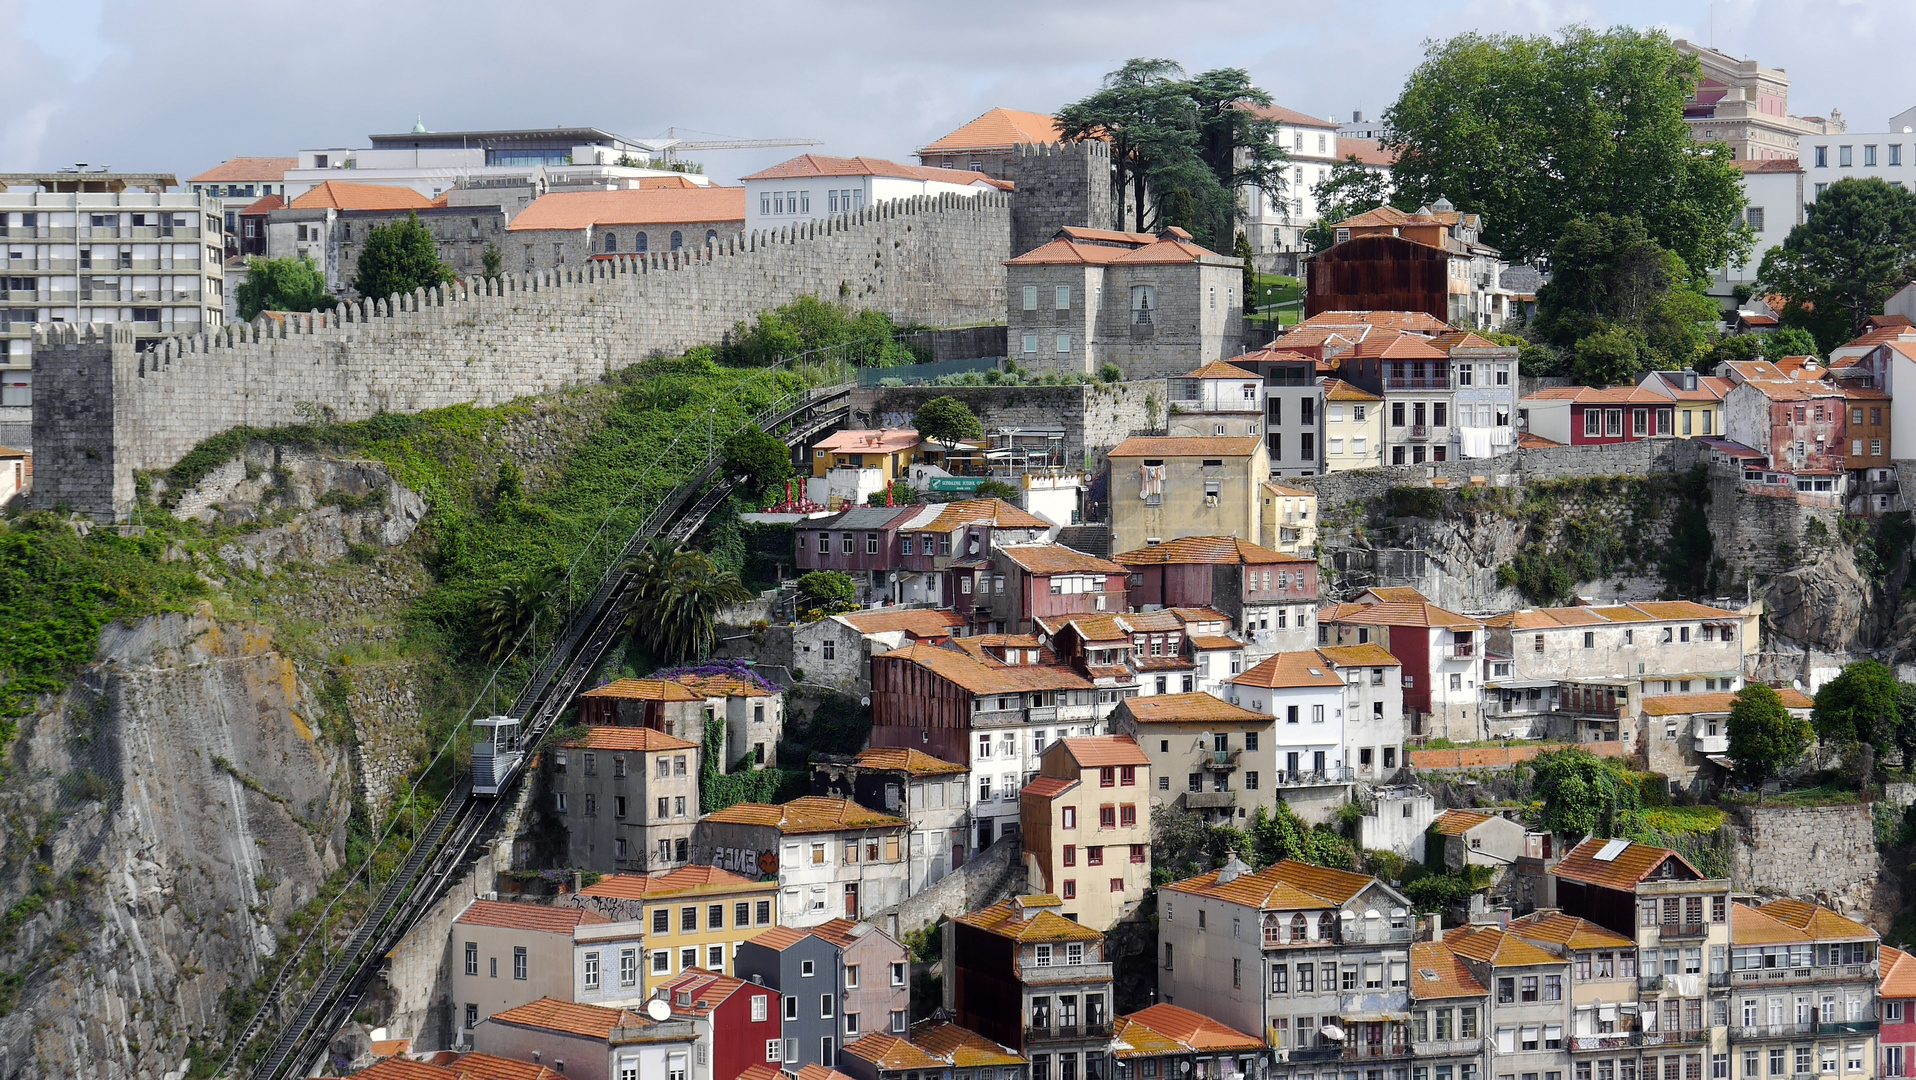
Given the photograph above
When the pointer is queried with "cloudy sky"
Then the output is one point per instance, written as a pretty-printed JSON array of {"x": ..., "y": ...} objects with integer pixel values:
[{"x": 180, "y": 85}]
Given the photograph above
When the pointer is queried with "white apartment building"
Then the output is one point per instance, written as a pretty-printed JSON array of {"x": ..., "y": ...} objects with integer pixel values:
[
  {"x": 1775, "y": 191},
  {"x": 103, "y": 248},
  {"x": 434, "y": 162},
  {"x": 1275, "y": 226},
  {"x": 1306, "y": 755},
  {"x": 1374, "y": 728},
  {"x": 814, "y": 186}
]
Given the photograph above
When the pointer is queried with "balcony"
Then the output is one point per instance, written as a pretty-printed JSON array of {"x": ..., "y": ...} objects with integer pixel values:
[
  {"x": 1618, "y": 1040},
  {"x": 1676, "y": 1038},
  {"x": 1849, "y": 1027},
  {"x": 1041, "y": 714},
  {"x": 1711, "y": 744},
  {"x": 1222, "y": 760},
  {"x": 1069, "y": 1032},
  {"x": 1824, "y": 973},
  {"x": 1448, "y": 1048},
  {"x": 1671, "y": 930},
  {"x": 1757, "y": 1032},
  {"x": 1315, "y": 1053},
  {"x": 1420, "y": 431},
  {"x": 1056, "y": 974},
  {"x": 1719, "y": 978},
  {"x": 1312, "y": 778},
  {"x": 1649, "y": 982},
  {"x": 1210, "y": 800},
  {"x": 1375, "y": 1051},
  {"x": 1412, "y": 382}
]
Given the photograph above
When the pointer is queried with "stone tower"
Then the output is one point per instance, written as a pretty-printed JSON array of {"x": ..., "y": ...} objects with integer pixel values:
[
  {"x": 79, "y": 373},
  {"x": 1059, "y": 184}
]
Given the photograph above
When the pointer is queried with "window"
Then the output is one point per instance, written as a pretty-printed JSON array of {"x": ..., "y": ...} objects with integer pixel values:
[
  {"x": 1845, "y": 157},
  {"x": 1031, "y": 298},
  {"x": 591, "y": 974},
  {"x": 1061, "y": 298},
  {"x": 519, "y": 962}
]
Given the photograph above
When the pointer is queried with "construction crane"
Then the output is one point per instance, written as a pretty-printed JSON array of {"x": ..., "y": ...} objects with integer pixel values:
[{"x": 670, "y": 147}]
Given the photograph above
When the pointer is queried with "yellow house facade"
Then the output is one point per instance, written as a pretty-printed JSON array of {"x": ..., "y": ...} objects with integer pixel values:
[
  {"x": 1353, "y": 427},
  {"x": 695, "y": 916}
]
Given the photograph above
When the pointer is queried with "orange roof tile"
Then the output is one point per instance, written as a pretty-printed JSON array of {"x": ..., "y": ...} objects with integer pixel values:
[
  {"x": 686, "y": 879},
  {"x": 1397, "y": 347},
  {"x": 1064, "y": 251},
  {"x": 1369, "y": 654},
  {"x": 1195, "y": 1031},
  {"x": 1098, "y": 751},
  {"x": 642, "y": 740},
  {"x": 1527, "y": 441},
  {"x": 1406, "y": 614},
  {"x": 343, "y": 195},
  {"x": 1290, "y": 669},
  {"x": 1593, "y": 395},
  {"x": 996, "y": 129},
  {"x": 809, "y": 1072},
  {"x": 920, "y": 623},
  {"x": 762, "y": 1071},
  {"x": 890, "y": 1052},
  {"x": 1218, "y": 550},
  {"x": 591, "y": 1021},
  {"x": 1178, "y": 446},
  {"x": 644, "y": 690},
  {"x": 1817, "y": 921},
  {"x": 1218, "y": 369},
  {"x": 1288, "y": 885},
  {"x": 1498, "y": 948},
  {"x": 405, "y": 1069},
  {"x": 264, "y": 205},
  {"x": 241, "y": 170},
  {"x": 1897, "y": 973},
  {"x": 994, "y": 512},
  {"x": 716, "y": 686},
  {"x": 1047, "y": 787},
  {"x": 1057, "y": 559},
  {"x": 1464, "y": 339},
  {"x": 1395, "y": 594},
  {"x": 982, "y": 677},
  {"x": 489, "y": 1067},
  {"x": 576, "y": 210},
  {"x": 1687, "y": 704},
  {"x": 1458, "y": 822},
  {"x": 541, "y": 918},
  {"x": 1630, "y": 867},
  {"x": 1339, "y": 390},
  {"x": 702, "y": 991},
  {"x": 1569, "y": 931},
  {"x": 1366, "y": 151},
  {"x": 907, "y": 760},
  {"x": 881, "y": 441},
  {"x": 809, "y": 814},
  {"x": 1436, "y": 972},
  {"x": 1749, "y": 926},
  {"x": 1002, "y": 919},
  {"x": 825, "y": 165},
  {"x": 1193, "y": 708},
  {"x": 1421, "y": 322},
  {"x": 1290, "y": 116}
]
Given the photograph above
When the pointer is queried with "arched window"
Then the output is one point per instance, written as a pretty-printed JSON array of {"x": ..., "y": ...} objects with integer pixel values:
[
  {"x": 1300, "y": 927},
  {"x": 1327, "y": 927},
  {"x": 612, "y": 241},
  {"x": 678, "y": 240},
  {"x": 711, "y": 237},
  {"x": 640, "y": 243}
]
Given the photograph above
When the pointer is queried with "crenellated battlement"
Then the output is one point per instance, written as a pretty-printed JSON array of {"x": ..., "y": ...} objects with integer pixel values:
[{"x": 933, "y": 260}]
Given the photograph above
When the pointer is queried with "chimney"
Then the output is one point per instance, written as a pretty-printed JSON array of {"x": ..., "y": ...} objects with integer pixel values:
[
  {"x": 1232, "y": 869},
  {"x": 578, "y": 882},
  {"x": 1436, "y": 925}
]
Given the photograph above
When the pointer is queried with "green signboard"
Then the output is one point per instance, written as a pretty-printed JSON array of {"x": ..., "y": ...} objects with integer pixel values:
[{"x": 956, "y": 483}]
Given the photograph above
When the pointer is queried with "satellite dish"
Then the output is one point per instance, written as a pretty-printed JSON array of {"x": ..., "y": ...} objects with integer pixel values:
[{"x": 657, "y": 1009}]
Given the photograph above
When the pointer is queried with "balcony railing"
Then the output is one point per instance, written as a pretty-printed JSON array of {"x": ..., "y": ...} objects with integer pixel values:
[
  {"x": 1754, "y": 1032},
  {"x": 1618, "y": 1040},
  {"x": 1823, "y": 973},
  {"x": 1676, "y": 1038},
  {"x": 1222, "y": 760},
  {"x": 1649, "y": 982},
  {"x": 1375, "y": 1051},
  {"x": 1711, "y": 744},
  {"x": 1420, "y": 431},
  {"x": 1315, "y": 1053},
  {"x": 1097, "y": 1030},
  {"x": 1408, "y": 382},
  {"x": 1849, "y": 1027},
  {"x": 1053, "y": 974},
  {"x": 1447, "y": 1047},
  {"x": 1719, "y": 978},
  {"x": 1041, "y": 714},
  {"x": 1684, "y": 929},
  {"x": 1313, "y": 777}
]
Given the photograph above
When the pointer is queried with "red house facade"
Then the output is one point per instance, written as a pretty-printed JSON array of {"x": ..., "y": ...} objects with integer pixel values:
[
  {"x": 1896, "y": 1006},
  {"x": 739, "y": 1023},
  {"x": 1590, "y": 416},
  {"x": 1271, "y": 597}
]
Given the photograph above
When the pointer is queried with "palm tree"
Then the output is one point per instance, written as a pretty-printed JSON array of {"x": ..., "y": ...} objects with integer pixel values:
[
  {"x": 516, "y": 609},
  {"x": 677, "y": 597}
]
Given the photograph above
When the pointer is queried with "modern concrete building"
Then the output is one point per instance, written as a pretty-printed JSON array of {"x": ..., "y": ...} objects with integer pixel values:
[
  {"x": 1294, "y": 416},
  {"x": 694, "y": 917},
  {"x": 625, "y": 798},
  {"x": 105, "y": 248},
  {"x": 1087, "y": 827},
  {"x": 812, "y": 187}
]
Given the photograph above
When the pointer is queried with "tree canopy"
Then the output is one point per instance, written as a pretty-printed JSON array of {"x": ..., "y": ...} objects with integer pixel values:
[
  {"x": 1536, "y": 132},
  {"x": 1764, "y": 737},
  {"x": 1856, "y": 246},
  {"x": 1182, "y": 147},
  {"x": 1349, "y": 189},
  {"x": 1619, "y": 303},
  {"x": 676, "y": 601},
  {"x": 293, "y": 283},
  {"x": 947, "y": 420},
  {"x": 399, "y": 258},
  {"x": 760, "y": 458},
  {"x": 1859, "y": 706},
  {"x": 1584, "y": 794},
  {"x": 826, "y": 589}
]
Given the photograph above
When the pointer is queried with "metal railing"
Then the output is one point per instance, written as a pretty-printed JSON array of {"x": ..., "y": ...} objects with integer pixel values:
[
  {"x": 1683, "y": 929},
  {"x": 1223, "y": 760},
  {"x": 1619, "y": 1040},
  {"x": 1309, "y": 777},
  {"x": 1750, "y": 1032},
  {"x": 1100, "y": 1029}
]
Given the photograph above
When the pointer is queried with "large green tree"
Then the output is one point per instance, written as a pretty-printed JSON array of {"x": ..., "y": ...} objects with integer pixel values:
[
  {"x": 399, "y": 258},
  {"x": 1349, "y": 189},
  {"x": 1584, "y": 794},
  {"x": 947, "y": 420},
  {"x": 1619, "y": 302},
  {"x": 678, "y": 594},
  {"x": 513, "y": 613},
  {"x": 1535, "y": 132},
  {"x": 293, "y": 283},
  {"x": 759, "y": 457},
  {"x": 1856, "y": 246},
  {"x": 1859, "y": 705},
  {"x": 1764, "y": 737}
]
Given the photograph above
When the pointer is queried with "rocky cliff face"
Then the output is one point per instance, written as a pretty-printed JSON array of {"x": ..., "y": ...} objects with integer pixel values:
[{"x": 162, "y": 820}]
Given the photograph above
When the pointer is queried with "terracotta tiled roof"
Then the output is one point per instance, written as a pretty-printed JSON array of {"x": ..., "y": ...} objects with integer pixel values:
[
  {"x": 642, "y": 740},
  {"x": 1208, "y": 642},
  {"x": 920, "y": 623},
  {"x": 1768, "y": 165},
  {"x": 906, "y": 760},
  {"x": 1057, "y": 559},
  {"x": 1047, "y": 925},
  {"x": 994, "y": 512},
  {"x": 591, "y": 1021},
  {"x": 1593, "y": 395},
  {"x": 241, "y": 170},
  {"x": 1195, "y": 1031},
  {"x": 1390, "y": 215},
  {"x": 1464, "y": 339},
  {"x": 714, "y": 686},
  {"x": 1395, "y": 594},
  {"x": 1397, "y": 347},
  {"x": 1192, "y": 708},
  {"x": 1817, "y": 921},
  {"x": 809, "y": 1072},
  {"x": 1421, "y": 322},
  {"x": 1458, "y": 822},
  {"x": 342, "y": 195},
  {"x": 890, "y": 1052},
  {"x": 809, "y": 814},
  {"x": 1219, "y": 369},
  {"x": 1064, "y": 251},
  {"x": 644, "y": 690},
  {"x": 1498, "y": 948},
  {"x": 1287, "y": 885},
  {"x": 542, "y": 918},
  {"x": 405, "y": 1069},
  {"x": 1097, "y": 751},
  {"x": 1109, "y": 236},
  {"x": 997, "y": 129},
  {"x": 780, "y": 938},
  {"x": 1436, "y": 972},
  {"x": 1527, "y": 441},
  {"x": 263, "y": 206},
  {"x": 1569, "y": 931},
  {"x": 881, "y": 441},
  {"x": 1290, "y": 669},
  {"x": 1131, "y": 1039},
  {"x": 1217, "y": 550},
  {"x": 489, "y": 1067},
  {"x": 1897, "y": 973},
  {"x": 1687, "y": 704},
  {"x": 1631, "y": 865},
  {"x": 1291, "y": 116},
  {"x": 1339, "y": 390},
  {"x": 686, "y": 879},
  {"x": 981, "y": 677},
  {"x": 1272, "y": 354},
  {"x": 704, "y": 990},
  {"x": 1366, "y": 151},
  {"x": 1169, "y": 446},
  {"x": 577, "y": 210},
  {"x": 1369, "y": 654},
  {"x": 1276, "y": 488},
  {"x": 1047, "y": 787},
  {"x": 762, "y": 1071},
  {"x": 1749, "y": 926},
  {"x": 805, "y": 165},
  {"x": 1411, "y": 614}
]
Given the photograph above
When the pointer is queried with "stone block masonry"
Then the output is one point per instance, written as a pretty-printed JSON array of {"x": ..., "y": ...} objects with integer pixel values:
[{"x": 104, "y": 411}]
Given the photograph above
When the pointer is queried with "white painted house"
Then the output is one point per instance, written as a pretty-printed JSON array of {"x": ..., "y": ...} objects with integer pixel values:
[
  {"x": 1306, "y": 758},
  {"x": 813, "y": 186}
]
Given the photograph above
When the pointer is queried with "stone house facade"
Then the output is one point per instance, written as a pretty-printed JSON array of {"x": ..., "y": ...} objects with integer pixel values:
[
  {"x": 1151, "y": 305},
  {"x": 1682, "y": 735},
  {"x": 836, "y": 651},
  {"x": 625, "y": 798},
  {"x": 1166, "y": 488},
  {"x": 1194, "y": 739},
  {"x": 929, "y": 792},
  {"x": 832, "y": 857}
]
